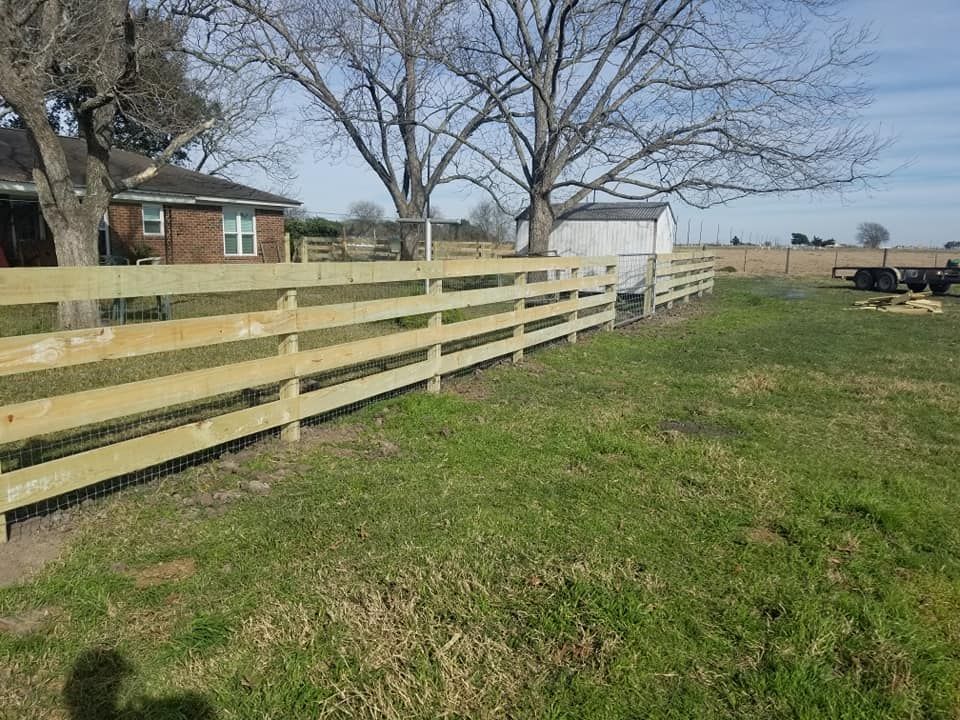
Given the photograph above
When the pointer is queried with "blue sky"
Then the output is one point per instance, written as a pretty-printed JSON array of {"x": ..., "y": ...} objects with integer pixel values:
[{"x": 916, "y": 80}]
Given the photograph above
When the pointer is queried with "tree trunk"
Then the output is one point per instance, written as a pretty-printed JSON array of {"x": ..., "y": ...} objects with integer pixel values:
[
  {"x": 539, "y": 224},
  {"x": 75, "y": 247},
  {"x": 409, "y": 241}
]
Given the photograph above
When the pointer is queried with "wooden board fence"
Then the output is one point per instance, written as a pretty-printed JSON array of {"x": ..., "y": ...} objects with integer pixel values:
[
  {"x": 678, "y": 277},
  {"x": 576, "y": 302}
]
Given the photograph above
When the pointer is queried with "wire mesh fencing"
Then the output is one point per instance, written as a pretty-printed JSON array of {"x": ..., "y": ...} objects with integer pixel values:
[{"x": 77, "y": 403}]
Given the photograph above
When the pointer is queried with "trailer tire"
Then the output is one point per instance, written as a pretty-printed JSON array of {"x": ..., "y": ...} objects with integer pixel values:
[
  {"x": 940, "y": 288},
  {"x": 863, "y": 280},
  {"x": 886, "y": 281},
  {"x": 917, "y": 287}
]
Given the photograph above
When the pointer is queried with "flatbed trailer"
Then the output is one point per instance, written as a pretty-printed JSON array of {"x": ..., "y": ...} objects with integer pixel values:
[{"x": 886, "y": 279}]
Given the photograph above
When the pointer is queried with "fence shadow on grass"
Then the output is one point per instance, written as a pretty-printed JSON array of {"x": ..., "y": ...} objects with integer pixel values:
[{"x": 93, "y": 689}]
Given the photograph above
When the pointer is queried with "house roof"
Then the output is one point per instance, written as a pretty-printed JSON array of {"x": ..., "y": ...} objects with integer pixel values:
[
  {"x": 610, "y": 211},
  {"x": 17, "y": 163}
]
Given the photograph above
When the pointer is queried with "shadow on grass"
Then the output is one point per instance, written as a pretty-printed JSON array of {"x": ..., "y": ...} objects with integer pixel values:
[{"x": 92, "y": 692}]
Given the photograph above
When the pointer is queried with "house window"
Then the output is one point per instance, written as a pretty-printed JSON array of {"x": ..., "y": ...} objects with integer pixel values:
[
  {"x": 239, "y": 231},
  {"x": 103, "y": 236},
  {"x": 152, "y": 219}
]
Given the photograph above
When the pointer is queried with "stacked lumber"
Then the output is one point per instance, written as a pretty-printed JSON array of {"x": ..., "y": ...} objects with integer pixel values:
[{"x": 910, "y": 303}]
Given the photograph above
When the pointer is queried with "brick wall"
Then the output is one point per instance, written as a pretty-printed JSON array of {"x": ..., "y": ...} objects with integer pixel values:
[{"x": 195, "y": 234}]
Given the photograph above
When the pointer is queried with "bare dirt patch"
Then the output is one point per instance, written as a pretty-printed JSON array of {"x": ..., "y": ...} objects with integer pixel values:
[
  {"x": 21, "y": 558},
  {"x": 165, "y": 572},
  {"x": 471, "y": 387},
  {"x": 663, "y": 317},
  {"x": 27, "y": 623},
  {"x": 336, "y": 439},
  {"x": 765, "y": 536}
]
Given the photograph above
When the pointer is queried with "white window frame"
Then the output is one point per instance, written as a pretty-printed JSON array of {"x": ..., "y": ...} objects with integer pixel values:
[
  {"x": 105, "y": 227},
  {"x": 143, "y": 220},
  {"x": 236, "y": 210}
]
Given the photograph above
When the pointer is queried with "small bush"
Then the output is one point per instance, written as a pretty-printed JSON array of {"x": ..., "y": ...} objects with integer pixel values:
[{"x": 727, "y": 269}]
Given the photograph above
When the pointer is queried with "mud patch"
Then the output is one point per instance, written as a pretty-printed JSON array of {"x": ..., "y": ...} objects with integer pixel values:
[{"x": 165, "y": 572}]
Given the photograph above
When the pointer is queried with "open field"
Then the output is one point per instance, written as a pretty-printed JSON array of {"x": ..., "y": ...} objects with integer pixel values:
[
  {"x": 745, "y": 509},
  {"x": 818, "y": 262}
]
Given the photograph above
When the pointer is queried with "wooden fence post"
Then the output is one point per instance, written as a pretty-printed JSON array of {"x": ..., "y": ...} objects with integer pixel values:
[
  {"x": 519, "y": 280},
  {"x": 884, "y": 262},
  {"x": 434, "y": 287},
  {"x": 3, "y": 522},
  {"x": 786, "y": 268},
  {"x": 304, "y": 251},
  {"x": 572, "y": 317},
  {"x": 650, "y": 287},
  {"x": 289, "y": 345},
  {"x": 612, "y": 289},
  {"x": 286, "y": 247}
]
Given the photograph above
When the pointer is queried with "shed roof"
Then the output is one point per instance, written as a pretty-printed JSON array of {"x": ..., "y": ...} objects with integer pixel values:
[
  {"x": 610, "y": 211},
  {"x": 17, "y": 163}
]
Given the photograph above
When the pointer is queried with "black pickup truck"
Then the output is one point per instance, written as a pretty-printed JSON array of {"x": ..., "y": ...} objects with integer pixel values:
[{"x": 886, "y": 279}]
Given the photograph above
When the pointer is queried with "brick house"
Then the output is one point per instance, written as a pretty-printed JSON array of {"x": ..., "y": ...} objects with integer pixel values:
[{"x": 179, "y": 215}]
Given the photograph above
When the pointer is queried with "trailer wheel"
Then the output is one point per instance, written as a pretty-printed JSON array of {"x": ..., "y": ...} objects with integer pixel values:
[
  {"x": 940, "y": 288},
  {"x": 917, "y": 287},
  {"x": 886, "y": 281},
  {"x": 863, "y": 280}
]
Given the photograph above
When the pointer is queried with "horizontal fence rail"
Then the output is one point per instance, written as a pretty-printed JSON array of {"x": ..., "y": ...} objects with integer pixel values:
[
  {"x": 678, "y": 277},
  {"x": 503, "y": 307}
]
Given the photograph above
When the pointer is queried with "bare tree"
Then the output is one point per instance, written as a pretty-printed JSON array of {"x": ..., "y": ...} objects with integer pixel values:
[
  {"x": 104, "y": 58},
  {"x": 872, "y": 235},
  {"x": 365, "y": 215},
  {"x": 492, "y": 221},
  {"x": 372, "y": 81},
  {"x": 709, "y": 100}
]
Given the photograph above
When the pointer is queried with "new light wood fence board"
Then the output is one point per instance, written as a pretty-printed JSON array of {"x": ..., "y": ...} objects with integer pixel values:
[
  {"x": 670, "y": 282},
  {"x": 683, "y": 256},
  {"x": 672, "y": 268},
  {"x": 35, "y": 418},
  {"x": 19, "y": 286},
  {"x": 25, "y": 353},
  {"x": 38, "y": 482},
  {"x": 48, "y": 415}
]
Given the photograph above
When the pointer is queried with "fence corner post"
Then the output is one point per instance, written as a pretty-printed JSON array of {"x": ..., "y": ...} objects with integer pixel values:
[
  {"x": 611, "y": 290},
  {"x": 574, "y": 315},
  {"x": 304, "y": 251},
  {"x": 289, "y": 344},
  {"x": 286, "y": 247},
  {"x": 434, "y": 323},
  {"x": 650, "y": 286},
  {"x": 519, "y": 305}
]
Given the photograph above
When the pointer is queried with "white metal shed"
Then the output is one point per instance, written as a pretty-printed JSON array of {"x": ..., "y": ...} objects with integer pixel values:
[{"x": 631, "y": 230}]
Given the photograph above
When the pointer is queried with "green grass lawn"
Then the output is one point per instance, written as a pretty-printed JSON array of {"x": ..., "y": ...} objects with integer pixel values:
[{"x": 748, "y": 509}]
